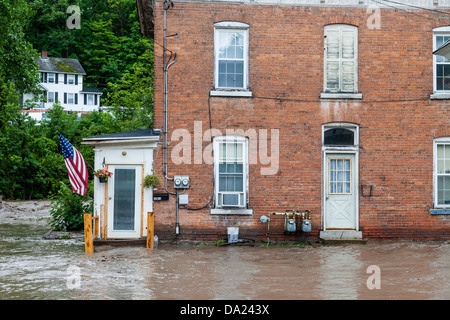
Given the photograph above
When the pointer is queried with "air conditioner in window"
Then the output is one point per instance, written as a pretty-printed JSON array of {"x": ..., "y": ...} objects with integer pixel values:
[{"x": 231, "y": 200}]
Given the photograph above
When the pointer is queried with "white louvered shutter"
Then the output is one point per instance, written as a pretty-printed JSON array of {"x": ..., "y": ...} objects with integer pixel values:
[{"x": 340, "y": 59}]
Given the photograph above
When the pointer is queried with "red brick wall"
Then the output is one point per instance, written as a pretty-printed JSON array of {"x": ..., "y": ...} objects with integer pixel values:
[{"x": 396, "y": 119}]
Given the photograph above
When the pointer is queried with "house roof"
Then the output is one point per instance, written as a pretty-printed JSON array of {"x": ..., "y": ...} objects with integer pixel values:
[
  {"x": 142, "y": 134},
  {"x": 61, "y": 65},
  {"x": 91, "y": 90}
]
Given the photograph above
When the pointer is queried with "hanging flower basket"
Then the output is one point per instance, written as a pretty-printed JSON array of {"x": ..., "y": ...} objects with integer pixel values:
[
  {"x": 103, "y": 179},
  {"x": 103, "y": 175}
]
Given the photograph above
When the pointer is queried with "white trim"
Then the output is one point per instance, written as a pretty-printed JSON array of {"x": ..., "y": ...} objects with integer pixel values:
[
  {"x": 345, "y": 125},
  {"x": 230, "y": 93},
  {"x": 244, "y": 205},
  {"x": 441, "y": 141},
  {"x": 231, "y": 25},
  {"x": 240, "y": 211},
  {"x": 355, "y": 182},
  {"x": 438, "y": 94},
  {"x": 326, "y": 95},
  {"x": 340, "y": 28},
  {"x": 353, "y": 150},
  {"x": 238, "y": 26}
]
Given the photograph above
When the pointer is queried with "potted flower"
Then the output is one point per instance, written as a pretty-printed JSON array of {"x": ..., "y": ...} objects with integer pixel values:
[
  {"x": 150, "y": 181},
  {"x": 103, "y": 175}
]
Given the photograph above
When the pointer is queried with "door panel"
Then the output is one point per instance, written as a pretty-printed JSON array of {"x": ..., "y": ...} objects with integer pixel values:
[
  {"x": 124, "y": 201},
  {"x": 340, "y": 191}
]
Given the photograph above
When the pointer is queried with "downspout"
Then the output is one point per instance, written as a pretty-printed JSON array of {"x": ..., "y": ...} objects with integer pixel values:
[{"x": 165, "y": 71}]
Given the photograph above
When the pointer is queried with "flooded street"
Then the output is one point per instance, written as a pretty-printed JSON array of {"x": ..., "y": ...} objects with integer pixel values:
[
  {"x": 32, "y": 268},
  {"x": 35, "y": 269}
]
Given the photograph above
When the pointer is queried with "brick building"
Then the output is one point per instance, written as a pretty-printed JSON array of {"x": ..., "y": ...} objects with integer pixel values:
[{"x": 337, "y": 107}]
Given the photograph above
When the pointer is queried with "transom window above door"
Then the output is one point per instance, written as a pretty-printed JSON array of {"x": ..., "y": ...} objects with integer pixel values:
[{"x": 340, "y": 135}]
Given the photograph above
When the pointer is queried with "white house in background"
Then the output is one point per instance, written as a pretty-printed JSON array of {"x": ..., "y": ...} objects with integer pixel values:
[{"x": 62, "y": 81}]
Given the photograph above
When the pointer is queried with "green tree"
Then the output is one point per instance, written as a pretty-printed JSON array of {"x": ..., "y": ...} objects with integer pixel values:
[{"x": 131, "y": 97}]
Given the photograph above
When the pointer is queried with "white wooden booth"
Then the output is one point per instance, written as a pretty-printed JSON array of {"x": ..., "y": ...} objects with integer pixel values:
[{"x": 122, "y": 203}]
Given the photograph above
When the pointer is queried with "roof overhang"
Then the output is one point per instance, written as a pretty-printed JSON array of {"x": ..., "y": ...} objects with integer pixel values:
[
  {"x": 443, "y": 50},
  {"x": 129, "y": 137}
]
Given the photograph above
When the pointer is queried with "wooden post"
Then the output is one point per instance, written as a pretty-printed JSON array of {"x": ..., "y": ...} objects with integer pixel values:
[
  {"x": 88, "y": 241},
  {"x": 150, "y": 229},
  {"x": 96, "y": 226}
]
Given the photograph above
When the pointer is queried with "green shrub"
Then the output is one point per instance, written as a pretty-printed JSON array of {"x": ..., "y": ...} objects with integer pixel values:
[{"x": 68, "y": 210}]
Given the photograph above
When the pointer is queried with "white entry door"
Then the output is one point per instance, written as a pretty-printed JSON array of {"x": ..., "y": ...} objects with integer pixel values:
[
  {"x": 124, "y": 202},
  {"x": 340, "y": 192}
]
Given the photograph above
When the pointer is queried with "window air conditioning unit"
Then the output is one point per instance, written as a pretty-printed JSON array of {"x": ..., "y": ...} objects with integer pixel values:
[{"x": 230, "y": 200}]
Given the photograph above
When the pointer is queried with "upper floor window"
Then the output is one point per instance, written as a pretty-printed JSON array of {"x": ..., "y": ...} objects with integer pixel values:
[
  {"x": 231, "y": 56},
  {"x": 441, "y": 65},
  {"x": 51, "y": 78},
  {"x": 341, "y": 59},
  {"x": 71, "y": 79}
]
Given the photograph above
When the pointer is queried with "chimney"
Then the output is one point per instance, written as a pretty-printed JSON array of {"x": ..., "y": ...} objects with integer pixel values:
[{"x": 44, "y": 54}]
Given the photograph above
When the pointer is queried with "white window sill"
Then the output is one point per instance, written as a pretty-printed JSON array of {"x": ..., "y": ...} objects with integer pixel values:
[
  {"x": 230, "y": 93},
  {"x": 326, "y": 95},
  {"x": 440, "y": 95},
  {"x": 240, "y": 211}
]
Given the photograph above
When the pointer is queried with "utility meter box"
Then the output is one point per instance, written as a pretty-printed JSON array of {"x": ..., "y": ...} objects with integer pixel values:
[
  {"x": 290, "y": 225},
  {"x": 306, "y": 225},
  {"x": 181, "y": 182}
]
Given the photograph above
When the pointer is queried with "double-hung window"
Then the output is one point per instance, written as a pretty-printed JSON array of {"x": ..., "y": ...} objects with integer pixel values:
[
  {"x": 231, "y": 57},
  {"x": 442, "y": 172},
  {"x": 70, "y": 98},
  {"x": 90, "y": 99},
  {"x": 341, "y": 59},
  {"x": 51, "y": 97},
  {"x": 441, "y": 64},
  {"x": 71, "y": 79},
  {"x": 231, "y": 167},
  {"x": 51, "y": 77}
]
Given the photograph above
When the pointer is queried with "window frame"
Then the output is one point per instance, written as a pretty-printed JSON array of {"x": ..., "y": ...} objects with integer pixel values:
[
  {"x": 51, "y": 77},
  {"x": 326, "y": 92},
  {"x": 217, "y": 142},
  {"x": 89, "y": 95},
  {"x": 69, "y": 77},
  {"x": 441, "y": 31},
  {"x": 53, "y": 97},
  {"x": 341, "y": 125},
  {"x": 231, "y": 26},
  {"x": 436, "y": 142},
  {"x": 68, "y": 98}
]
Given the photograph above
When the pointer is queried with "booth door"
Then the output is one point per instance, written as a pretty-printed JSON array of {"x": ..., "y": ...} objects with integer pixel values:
[{"x": 124, "y": 202}]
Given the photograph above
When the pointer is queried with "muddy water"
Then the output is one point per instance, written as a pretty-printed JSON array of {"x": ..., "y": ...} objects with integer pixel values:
[{"x": 32, "y": 268}]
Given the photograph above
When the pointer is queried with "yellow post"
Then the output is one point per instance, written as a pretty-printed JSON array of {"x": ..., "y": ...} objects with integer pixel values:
[
  {"x": 88, "y": 241},
  {"x": 150, "y": 229},
  {"x": 96, "y": 226}
]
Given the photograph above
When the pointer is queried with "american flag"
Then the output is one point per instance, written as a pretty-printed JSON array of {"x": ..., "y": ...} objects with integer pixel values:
[{"x": 76, "y": 166}]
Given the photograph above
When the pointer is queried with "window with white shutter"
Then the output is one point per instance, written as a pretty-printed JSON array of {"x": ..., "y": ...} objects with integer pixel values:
[{"x": 341, "y": 56}]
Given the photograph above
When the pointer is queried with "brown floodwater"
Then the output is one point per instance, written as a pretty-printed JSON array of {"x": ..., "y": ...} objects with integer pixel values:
[{"x": 32, "y": 268}]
